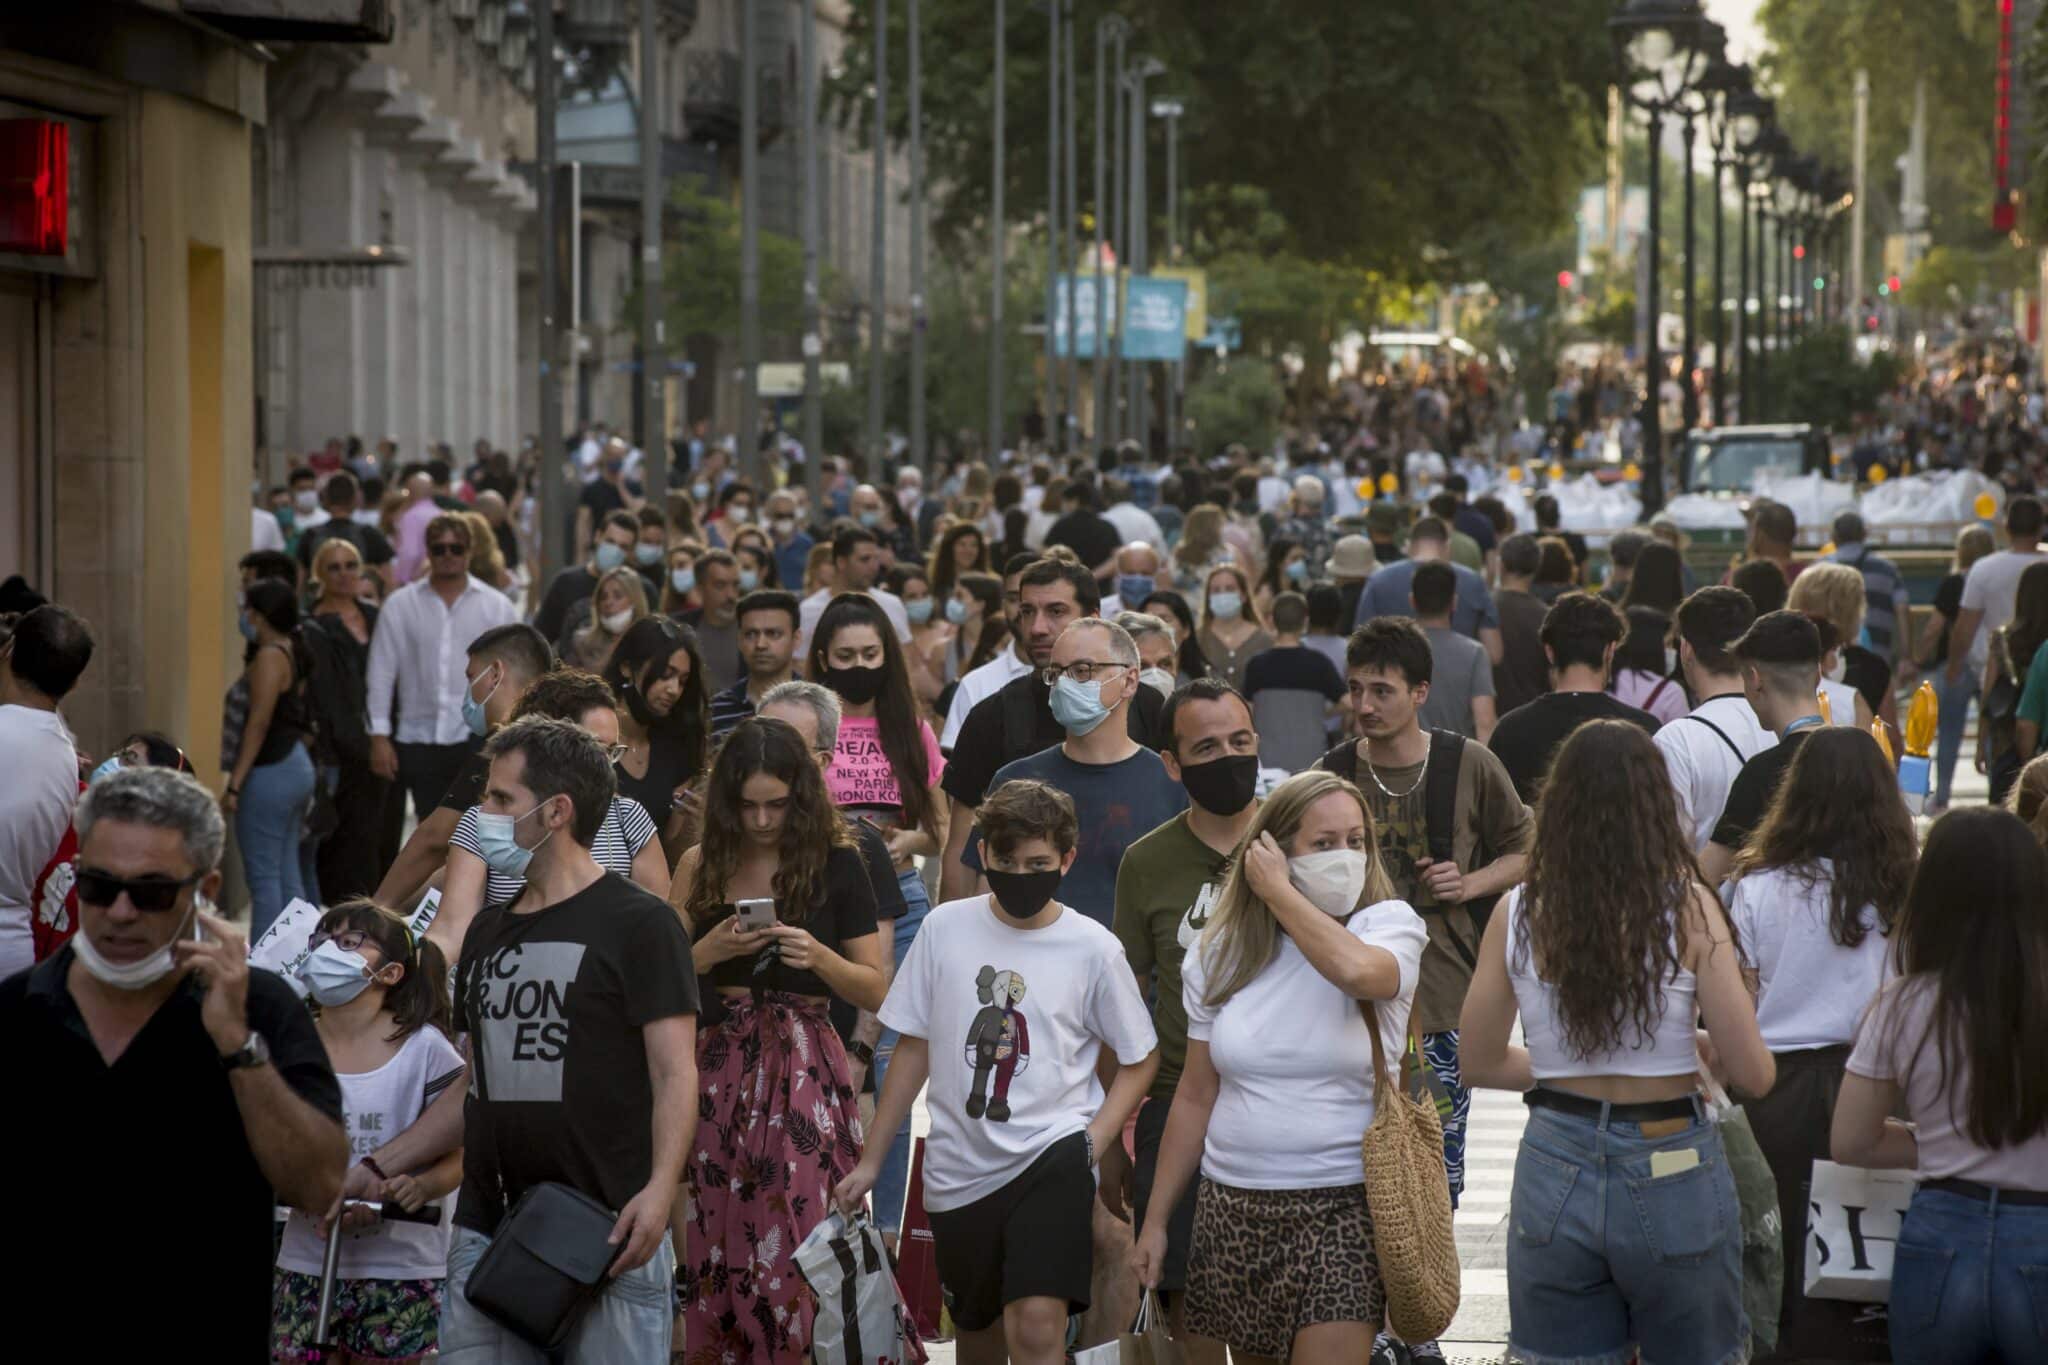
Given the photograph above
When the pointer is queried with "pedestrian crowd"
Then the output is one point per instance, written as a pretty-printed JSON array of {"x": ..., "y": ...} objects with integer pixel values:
[{"x": 1136, "y": 817}]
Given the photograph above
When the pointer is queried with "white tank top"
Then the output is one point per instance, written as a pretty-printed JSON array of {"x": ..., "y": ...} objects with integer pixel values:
[{"x": 1672, "y": 1049}]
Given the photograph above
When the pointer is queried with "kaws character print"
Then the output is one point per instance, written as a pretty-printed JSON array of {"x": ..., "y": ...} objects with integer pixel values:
[{"x": 998, "y": 1040}]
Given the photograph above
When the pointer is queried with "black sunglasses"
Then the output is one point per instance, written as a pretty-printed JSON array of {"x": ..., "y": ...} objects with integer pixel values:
[
  {"x": 152, "y": 895},
  {"x": 447, "y": 547}
]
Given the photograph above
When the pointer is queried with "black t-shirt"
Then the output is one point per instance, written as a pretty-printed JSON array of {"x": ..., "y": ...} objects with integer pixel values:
[
  {"x": 670, "y": 764},
  {"x": 554, "y": 1003},
  {"x": 889, "y": 907},
  {"x": 1296, "y": 667},
  {"x": 508, "y": 541},
  {"x": 600, "y": 496},
  {"x": 986, "y": 742},
  {"x": 92, "y": 1147},
  {"x": 1749, "y": 796},
  {"x": 846, "y": 912},
  {"x": 1088, "y": 534},
  {"x": 572, "y": 585},
  {"x": 1948, "y": 602},
  {"x": 1528, "y": 736},
  {"x": 372, "y": 544},
  {"x": 468, "y": 787},
  {"x": 1523, "y": 674},
  {"x": 1867, "y": 672}
]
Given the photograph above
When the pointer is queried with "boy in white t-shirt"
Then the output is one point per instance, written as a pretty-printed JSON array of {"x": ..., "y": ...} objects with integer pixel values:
[{"x": 1021, "y": 995}]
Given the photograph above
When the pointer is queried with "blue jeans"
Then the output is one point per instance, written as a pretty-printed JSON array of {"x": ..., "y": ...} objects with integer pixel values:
[
  {"x": 1948, "y": 735},
  {"x": 892, "y": 1185},
  {"x": 270, "y": 819},
  {"x": 1607, "y": 1258},
  {"x": 630, "y": 1324},
  {"x": 1970, "y": 1281}
]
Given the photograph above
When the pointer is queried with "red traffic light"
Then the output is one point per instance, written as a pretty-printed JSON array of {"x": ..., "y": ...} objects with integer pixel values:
[
  {"x": 1798, "y": 251},
  {"x": 1892, "y": 282},
  {"x": 1565, "y": 279}
]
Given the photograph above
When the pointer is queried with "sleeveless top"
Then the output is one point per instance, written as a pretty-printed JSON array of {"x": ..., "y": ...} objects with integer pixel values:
[
  {"x": 290, "y": 720},
  {"x": 1672, "y": 1049}
]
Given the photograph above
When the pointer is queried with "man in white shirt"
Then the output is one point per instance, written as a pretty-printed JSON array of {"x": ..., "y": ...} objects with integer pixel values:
[
  {"x": 1132, "y": 522},
  {"x": 856, "y": 565},
  {"x": 39, "y": 664},
  {"x": 1706, "y": 748},
  {"x": 1990, "y": 590},
  {"x": 264, "y": 532},
  {"x": 1007, "y": 666},
  {"x": 419, "y": 657}
]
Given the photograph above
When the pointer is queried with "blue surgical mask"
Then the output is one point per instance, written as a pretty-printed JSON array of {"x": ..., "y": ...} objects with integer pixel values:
[
  {"x": 248, "y": 629},
  {"x": 919, "y": 611},
  {"x": 1226, "y": 606},
  {"x": 500, "y": 847},
  {"x": 749, "y": 580},
  {"x": 1297, "y": 571},
  {"x": 682, "y": 580},
  {"x": 648, "y": 554},
  {"x": 956, "y": 611},
  {"x": 699, "y": 491},
  {"x": 473, "y": 710},
  {"x": 106, "y": 769},
  {"x": 333, "y": 975},
  {"x": 1077, "y": 706},
  {"x": 1133, "y": 588},
  {"x": 608, "y": 557},
  {"x": 871, "y": 519}
]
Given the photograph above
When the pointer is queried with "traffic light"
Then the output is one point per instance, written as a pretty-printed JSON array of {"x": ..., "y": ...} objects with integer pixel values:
[
  {"x": 1798, "y": 251},
  {"x": 1884, "y": 287},
  {"x": 1893, "y": 281},
  {"x": 1565, "y": 280}
]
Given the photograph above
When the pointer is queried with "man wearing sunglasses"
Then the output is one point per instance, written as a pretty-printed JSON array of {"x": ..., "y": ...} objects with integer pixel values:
[
  {"x": 158, "y": 1062},
  {"x": 417, "y": 657}
]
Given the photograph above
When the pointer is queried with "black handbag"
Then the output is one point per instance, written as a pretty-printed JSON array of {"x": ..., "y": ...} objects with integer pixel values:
[{"x": 545, "y": 1265}]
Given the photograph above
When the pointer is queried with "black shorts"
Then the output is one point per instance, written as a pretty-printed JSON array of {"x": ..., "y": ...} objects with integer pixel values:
[
  {"x": 1031, "y": 1238},
  {"x": 1180, "y": 1224}
]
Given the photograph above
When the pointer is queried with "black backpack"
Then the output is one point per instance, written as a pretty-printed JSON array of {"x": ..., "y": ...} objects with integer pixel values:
[{"x": 1440, "y": 817}]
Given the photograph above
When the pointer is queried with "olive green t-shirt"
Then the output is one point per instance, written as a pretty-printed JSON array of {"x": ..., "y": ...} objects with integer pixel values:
[{"x": 1164, "y": 888}]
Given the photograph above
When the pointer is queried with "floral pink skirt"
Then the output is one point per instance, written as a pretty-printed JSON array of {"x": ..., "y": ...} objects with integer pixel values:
[{"x": 778, "y": 1126}]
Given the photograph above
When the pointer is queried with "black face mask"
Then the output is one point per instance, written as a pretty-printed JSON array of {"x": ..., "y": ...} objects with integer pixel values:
[
  {"x": 644, "y": 713},
  {"x": 1222, "y": 786},
  {"x": 1020, "y": 895},
  {"x": 857, "y": 685}
]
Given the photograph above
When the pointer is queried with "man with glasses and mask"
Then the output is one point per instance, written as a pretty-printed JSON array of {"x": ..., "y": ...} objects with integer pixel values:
[
  {"x": 158, "y": 1062},
  {"x": 417, "y": 654}
]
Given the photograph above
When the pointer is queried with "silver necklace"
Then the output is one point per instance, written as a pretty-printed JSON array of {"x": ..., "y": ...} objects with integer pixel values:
[{"x": 1392, "y": 795}]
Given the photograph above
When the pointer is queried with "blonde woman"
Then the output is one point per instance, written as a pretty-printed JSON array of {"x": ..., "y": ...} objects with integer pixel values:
[
  {"x": 1972, "y": 544},
  {"x": 486, "y": 560},
  {"x": 1201, "y": 548},
  {"x": 1277, "y": 1087},
  {"x": 1834, "y": 593},
  {"x": 619, "y": 601}
]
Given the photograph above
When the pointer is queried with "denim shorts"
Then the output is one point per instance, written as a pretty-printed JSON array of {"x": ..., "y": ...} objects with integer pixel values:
[
  {"x": 1608, "y": 1256},
  {"x": 629, "y": 1324},
  {"x": 1970, "y": 1280}
]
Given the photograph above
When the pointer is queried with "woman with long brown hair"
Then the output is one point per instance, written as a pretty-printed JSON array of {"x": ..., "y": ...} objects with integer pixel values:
[
  {"x": 961, "y": 550},
  {"x": 1232, "y": 632},
  {"x": 1303, "y": 945},
  {"x": 2001, "y": 748},
  {"x": 1959, "y": 1044},
  {"x": 1609, "y": 953},
  {"x": 1816, "y": 891},
  {"x": 779, "y": 1126}
]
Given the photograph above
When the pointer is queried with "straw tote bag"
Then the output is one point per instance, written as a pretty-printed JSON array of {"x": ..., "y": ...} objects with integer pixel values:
[{"x": 1409, "y": 1197}]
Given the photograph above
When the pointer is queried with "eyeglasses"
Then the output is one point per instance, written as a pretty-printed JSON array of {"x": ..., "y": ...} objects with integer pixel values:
[
  {"x": 1081, "y": 671},
  {"x": 615, "y": 752},
  {"x": 348, "y": 940},
  {"x": 345, "y": 565},
  {"x": 451, "y": 548},
  {"x": 151, "y": 895}
]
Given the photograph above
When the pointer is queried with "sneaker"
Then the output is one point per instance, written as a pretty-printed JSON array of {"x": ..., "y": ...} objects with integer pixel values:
[
  {"x": 1426, "y": 1353},
  {"x": 1387, "y": 1351}
]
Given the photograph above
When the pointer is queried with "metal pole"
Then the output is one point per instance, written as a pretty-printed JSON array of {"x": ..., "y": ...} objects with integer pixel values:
[
  {"x": 1766, "y": 332},
  {"x": 1177, "y": 368},
  {"x": 1139, "y": 422},
  {"x": 1743, "y": 361},
  {"x": 1098, "y": 427},
  {"x": 1689, "y": 398},
  {"x": 813, "y": 338},
  {"x": 1720, "y": 322},
  {"x": 1120, "y": 240},
  {"x": 878, "y": 256},
  {"x": 1055, "y": 429},
  {"x": 1861, "y": 153},
  {"x": 995, "y": 218},
  {"x": 1653, "y": 369},
  {"x": 554, "y": 532},
  {"x": 750, "y": 250},
  {"x": 920, "y": 452},
  {"x": 653, "y": 353},
  {"x": 1071, "y": 432}
]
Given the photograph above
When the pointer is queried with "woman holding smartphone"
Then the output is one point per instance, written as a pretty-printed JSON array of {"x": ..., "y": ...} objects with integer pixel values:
[{"x": 780, "y": 1125}]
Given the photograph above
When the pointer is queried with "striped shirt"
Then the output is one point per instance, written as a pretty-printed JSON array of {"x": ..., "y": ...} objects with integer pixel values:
[
  {"x": 627, "y": 829},
  {"x": 729, "y": 708},
  {"x": 1884, "y": 592}
]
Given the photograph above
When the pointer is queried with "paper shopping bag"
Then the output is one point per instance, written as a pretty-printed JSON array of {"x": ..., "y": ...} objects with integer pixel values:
[{"x": 1853, "y": 1218}]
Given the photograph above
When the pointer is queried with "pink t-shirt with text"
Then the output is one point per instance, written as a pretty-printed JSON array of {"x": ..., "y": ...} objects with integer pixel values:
[{"x": 861, "y": 778}]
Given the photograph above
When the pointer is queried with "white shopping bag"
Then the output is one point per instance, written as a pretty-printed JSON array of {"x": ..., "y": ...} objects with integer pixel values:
[
  {"x": 861, "y": 1318},
  {"x": 423, "y": 917},
  {"x": 1852, "y": 1226},
  {"x": 284, "y": 944}
]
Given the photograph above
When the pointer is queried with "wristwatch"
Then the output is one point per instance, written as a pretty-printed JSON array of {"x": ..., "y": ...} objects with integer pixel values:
[
  {"x": 255, "y": 1052},
  {"x": 864, "y": 1053}
]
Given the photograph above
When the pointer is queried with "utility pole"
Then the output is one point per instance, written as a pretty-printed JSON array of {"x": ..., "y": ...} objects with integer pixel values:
[
  {"x": 1055, "y": 428},
  {"x": 1860, "y": 142},
  {"x": 1110, "y": 28},
  {"x": 995, "y": 219},
  {"x": 1170, "y": 110},
  {"x": 1743, "y": 361},
  {"x": 1689, "y": 398},
  {"x": 1071, "y": 430},
  {"x": 920, "y": 453},
  {"x": 750, "y": 251},
  {"x": 1913, "y": 213},
  {"x": 653, "y": 354},
  {"x": 554, "y": 532},
  {"x": 1141, "y": 406},
  {"x": 878, "y": 254},
  {"x": 1119, "y": 239},
  {"x": 813, "y": 339}
]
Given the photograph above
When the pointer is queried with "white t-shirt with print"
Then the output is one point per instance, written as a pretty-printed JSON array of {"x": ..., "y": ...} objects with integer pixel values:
[
  {"x": 1294, "y": 1061},
  {"x": 1993, "y": 588},
  {"x": 1015, "y": 1019},
  {"x": 375, "y": 1107},
  {"x": 1811, "y": 991}
]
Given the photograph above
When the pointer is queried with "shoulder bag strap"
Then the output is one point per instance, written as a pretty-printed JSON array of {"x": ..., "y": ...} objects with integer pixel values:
[
  {"x": 1720, "y": 732},
  {"x": 1381, "y": 1081},
  {"x": 1440, "y": 794}
]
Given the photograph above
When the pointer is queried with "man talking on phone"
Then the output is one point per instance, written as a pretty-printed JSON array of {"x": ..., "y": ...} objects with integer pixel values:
[{"x": 179, "y": 1096}]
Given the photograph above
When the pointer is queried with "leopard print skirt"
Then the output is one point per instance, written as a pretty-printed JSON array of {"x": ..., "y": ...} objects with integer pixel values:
[{"x": 1267, "y": 1263}]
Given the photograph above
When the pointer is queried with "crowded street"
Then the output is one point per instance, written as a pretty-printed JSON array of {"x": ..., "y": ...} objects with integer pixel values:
[{"x": 1026, "y": 682}]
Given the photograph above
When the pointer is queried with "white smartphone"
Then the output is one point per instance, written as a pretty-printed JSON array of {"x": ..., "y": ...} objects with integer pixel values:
[{"x": 754, "y": 915}]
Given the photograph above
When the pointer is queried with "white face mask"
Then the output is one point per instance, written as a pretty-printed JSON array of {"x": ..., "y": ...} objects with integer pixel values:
[
  {"x": 1333, "y": 881},
  {"x": 1839, "y": 670},
  {"x": 1158, "y": 678},
  {"x": 616, "y": 621},
  {"x": 306, "y": 500},
  {"x": 138, "y": 975}
]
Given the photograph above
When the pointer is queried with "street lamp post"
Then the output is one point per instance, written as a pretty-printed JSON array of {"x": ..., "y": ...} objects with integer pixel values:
[
  {"x": 1658, "y": 48},
  {"x": 1107, "y": 29},
  {"x": 1069, "y": 226},
  {"x": 1170, "y": 111},
  {"x": 1139, "y": 422},
  {"x": 995, "y": 219},
  {"x": 1055, "y": 425},
  {"x": 750, "y": 250},
  {"x": 1747, "y": 115},
  {"x": 878, "y": 248},
  {"x": 920, "y": 453},
  {"x": 1688, "y": 393},
  {"x": 813, "y": 337}
]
